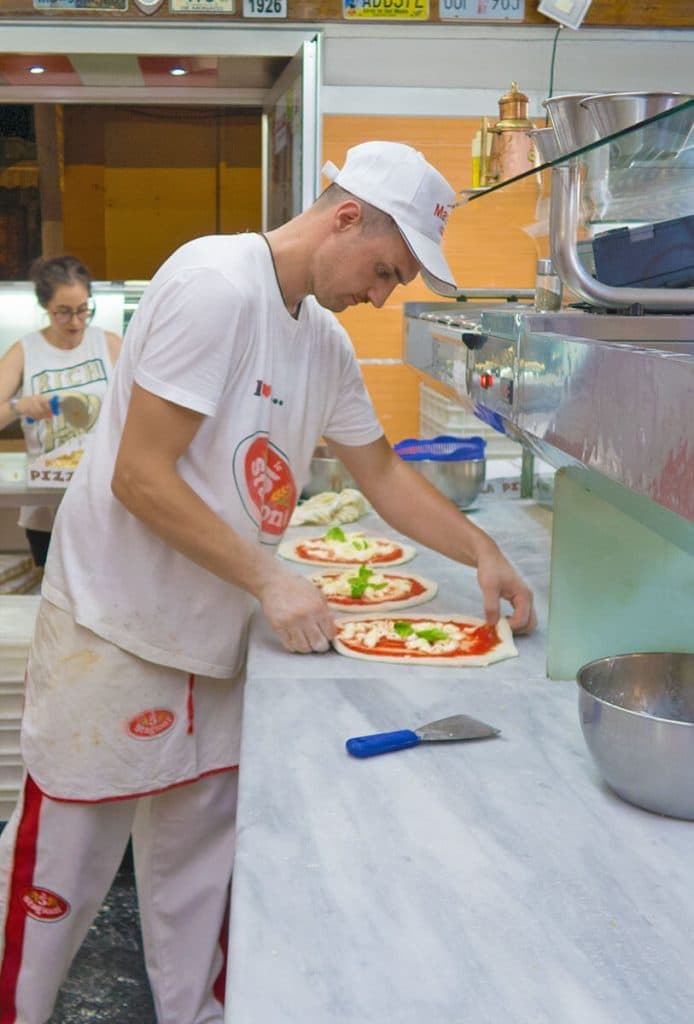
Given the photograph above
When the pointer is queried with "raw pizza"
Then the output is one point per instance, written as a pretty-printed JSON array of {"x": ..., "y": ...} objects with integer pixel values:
[
  {"x": 418, "y": 640},
  {"x": 341, "y": 549},
  {"x": 364, "y": 588}
]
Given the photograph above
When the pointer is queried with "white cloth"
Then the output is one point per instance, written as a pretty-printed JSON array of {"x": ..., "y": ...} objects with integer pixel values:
[
  {"x": 48, "y": 370},
  {"x": 100, "y": 723},
  {"x": 211, "y": 333},
  {"x": 183, "y": 845}
]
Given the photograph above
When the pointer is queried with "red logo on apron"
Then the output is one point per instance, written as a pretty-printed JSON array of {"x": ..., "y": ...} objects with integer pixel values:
[
  {"x": 149, "y": 724},
  {"x": 44, "y": 905},
  {"x": 267, "y": 481}
]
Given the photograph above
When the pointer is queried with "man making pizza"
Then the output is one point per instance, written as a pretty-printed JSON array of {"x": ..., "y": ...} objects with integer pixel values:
[{"x": 232, "y": 368}]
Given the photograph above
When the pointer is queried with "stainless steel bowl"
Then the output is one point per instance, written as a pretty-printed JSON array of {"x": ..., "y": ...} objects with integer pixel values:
[
  {"x": 613, "y": 112},
  {"x": 573, "y": 125},
  {"x": 637, "y": 716},
  {"x": 327, "y": 474},
  {"x": 461, "y": 481},
  {"x": 546, "y": 143}
]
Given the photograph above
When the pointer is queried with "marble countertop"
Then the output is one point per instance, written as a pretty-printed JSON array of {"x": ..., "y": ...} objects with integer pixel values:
[{"x": 498, "y": 882}]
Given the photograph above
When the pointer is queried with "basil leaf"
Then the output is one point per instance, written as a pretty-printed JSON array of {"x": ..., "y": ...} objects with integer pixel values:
[
  {"x": 335, "y": 533},
  {"x": 432, "y": 635},
  {"x": 403, "y": 628}
]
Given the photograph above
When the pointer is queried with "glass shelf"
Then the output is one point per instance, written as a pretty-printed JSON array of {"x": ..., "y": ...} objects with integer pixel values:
[{"x": 681, "y": 162}]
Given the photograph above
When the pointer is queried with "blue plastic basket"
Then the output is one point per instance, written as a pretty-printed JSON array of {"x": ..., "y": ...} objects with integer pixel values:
[{"x": 441, "y": 449}]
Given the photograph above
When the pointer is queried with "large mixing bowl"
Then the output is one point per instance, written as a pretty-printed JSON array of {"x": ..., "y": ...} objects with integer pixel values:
[
  {"x": 460, "y": 481},
  {"x": 327, "y": 473},
  {"x": 637, "y": 716},
  {"x": 613, "y": 112}
]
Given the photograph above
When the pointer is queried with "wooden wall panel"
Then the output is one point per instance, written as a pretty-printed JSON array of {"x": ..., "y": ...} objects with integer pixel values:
[
  {"x": 141, "y": 181},
  {"x": 151, "y": 211},
  {"x": 650, "y": 14},
  {"x": 83, "y": 216},
  {"x": 486, "y": 245}
]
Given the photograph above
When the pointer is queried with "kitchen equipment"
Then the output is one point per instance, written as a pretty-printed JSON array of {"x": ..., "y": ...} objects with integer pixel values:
[
  {"x": 637, "y": 717},
  {"x": 456, "y": 466},
  {"x": 327, "y": 473},
  {"x": 456, "y": 727},
  {"x": 546, "y": 143},
  {"x": 661, "y": 140},
  {"x": 650, "y": 255},
  {"x": 512, "y": 149},
  {"x": 573, "y": 125}
]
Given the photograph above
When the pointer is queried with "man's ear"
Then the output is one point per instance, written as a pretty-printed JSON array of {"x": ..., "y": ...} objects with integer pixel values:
[{"x": 348, "y": 215}]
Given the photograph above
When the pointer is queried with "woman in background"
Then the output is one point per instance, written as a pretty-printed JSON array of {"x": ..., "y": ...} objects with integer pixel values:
[{"x": 68, "y": 357}]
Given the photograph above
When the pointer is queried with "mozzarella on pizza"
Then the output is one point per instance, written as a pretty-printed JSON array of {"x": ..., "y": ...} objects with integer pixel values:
[
  {"x": 436, "y": 640},
  {"x": 339, "y": 548},
  {"x": 368, "y": 588}
]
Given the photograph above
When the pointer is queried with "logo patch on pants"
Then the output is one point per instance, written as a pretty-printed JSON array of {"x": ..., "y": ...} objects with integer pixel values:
[
  {"x": 44, "y": 905},
  {"x": 149, "y": 724}
]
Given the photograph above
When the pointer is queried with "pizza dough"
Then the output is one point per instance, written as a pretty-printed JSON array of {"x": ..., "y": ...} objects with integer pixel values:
[
  {"x": 336, "y": 548},
  {"x": 350, "y": 590},
  {"x": 443, "y": 640}
]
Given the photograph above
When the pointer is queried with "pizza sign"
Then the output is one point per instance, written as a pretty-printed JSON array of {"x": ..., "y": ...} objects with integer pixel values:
[{"x": 266, "y": 485}]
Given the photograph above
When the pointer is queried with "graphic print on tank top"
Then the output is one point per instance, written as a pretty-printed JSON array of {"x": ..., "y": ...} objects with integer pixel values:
[{"x": 265, "y": 484}]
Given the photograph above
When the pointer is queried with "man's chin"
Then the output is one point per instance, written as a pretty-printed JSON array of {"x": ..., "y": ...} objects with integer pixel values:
[{"x": 334, "y": 305}]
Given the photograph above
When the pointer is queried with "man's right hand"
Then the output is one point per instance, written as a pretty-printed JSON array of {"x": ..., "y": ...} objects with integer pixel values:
[{"x": 298, "y": 613}]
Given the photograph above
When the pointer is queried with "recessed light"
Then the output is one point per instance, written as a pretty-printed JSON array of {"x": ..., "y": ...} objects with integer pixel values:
[
  {"x": 177, "y": 71},
  {"x": 36, "y": 69}
]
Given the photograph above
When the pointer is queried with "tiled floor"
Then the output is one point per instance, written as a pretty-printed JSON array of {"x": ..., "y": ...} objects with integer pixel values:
[{"x": 107, "y": 983}]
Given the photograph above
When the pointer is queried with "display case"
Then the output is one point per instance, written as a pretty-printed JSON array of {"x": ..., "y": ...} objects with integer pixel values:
[{"x": 602, "y": 389}]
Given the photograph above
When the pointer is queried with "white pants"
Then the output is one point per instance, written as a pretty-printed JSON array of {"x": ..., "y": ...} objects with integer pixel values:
[{"x": 57, "y": 862}]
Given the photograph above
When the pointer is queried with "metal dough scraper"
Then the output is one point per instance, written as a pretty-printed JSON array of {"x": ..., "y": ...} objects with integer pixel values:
[{"x": 456, "y": 727}]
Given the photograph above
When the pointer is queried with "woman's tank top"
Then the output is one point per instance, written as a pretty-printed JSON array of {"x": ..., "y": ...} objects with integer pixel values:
[{"x": 84, "y": 372}]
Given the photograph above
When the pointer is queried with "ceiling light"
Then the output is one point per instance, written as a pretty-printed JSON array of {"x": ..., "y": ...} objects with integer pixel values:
[
  {"x": 177, "y": 71},
  {"x": 36, "y": 69}
]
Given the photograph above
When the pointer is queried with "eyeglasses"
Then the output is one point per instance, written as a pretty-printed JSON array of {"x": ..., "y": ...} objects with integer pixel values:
[{"x": 64, "y": 314}]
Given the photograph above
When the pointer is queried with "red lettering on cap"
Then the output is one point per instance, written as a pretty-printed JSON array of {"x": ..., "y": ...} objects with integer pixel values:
[
  {"x": 151, "y": 723},
  {"x": 44, "y": 905},
  {"x": 441, "y": 212}
]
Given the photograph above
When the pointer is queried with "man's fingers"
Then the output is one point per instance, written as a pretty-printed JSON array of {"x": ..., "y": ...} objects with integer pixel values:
[{"x": 523, "y": 619}]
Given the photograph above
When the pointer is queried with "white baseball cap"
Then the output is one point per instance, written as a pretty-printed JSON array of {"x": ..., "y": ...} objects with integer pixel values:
[{"x": 397, "y": 180}]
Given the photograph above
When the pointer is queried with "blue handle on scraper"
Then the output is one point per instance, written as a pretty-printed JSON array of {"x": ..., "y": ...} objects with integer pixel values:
[
  {"x": 54, "y": 403},
  {"x": 382, "y": 743}
]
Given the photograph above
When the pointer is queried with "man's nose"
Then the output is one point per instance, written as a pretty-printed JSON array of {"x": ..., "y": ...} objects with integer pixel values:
[{"x": 378, "y": 294}]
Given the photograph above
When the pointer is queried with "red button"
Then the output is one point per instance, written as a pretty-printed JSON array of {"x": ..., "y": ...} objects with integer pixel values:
[{"x": 486, "y": 380}]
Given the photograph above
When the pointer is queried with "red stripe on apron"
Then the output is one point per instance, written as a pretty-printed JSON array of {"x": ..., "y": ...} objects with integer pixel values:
[
  {"x": 191, "y": 709},
  {"x": 21, "y": 879},
  {"x": 219, "y": 987}
]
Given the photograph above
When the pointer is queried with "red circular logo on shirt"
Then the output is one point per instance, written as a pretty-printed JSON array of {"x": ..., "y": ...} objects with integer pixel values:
[
  {"x": 265, "y": 483},
  {"x": 149, "y": 724},
  {"x": 44, "y": 905}
]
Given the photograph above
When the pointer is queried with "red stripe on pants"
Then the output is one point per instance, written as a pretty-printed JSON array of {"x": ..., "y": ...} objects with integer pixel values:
[{"x": 21, "y": 879}]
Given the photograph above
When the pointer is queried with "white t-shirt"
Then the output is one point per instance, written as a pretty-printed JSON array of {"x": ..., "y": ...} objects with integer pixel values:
[
  {"x": 211, "y": 333},
  {"x": 83, "y": 371}
]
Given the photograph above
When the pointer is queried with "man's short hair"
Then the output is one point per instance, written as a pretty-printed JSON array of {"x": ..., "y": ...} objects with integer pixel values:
[{"x": 374, "y": 221}]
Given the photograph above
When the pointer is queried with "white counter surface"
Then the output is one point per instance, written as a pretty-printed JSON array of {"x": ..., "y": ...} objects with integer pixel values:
[{"x": 497, "y": 882}]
